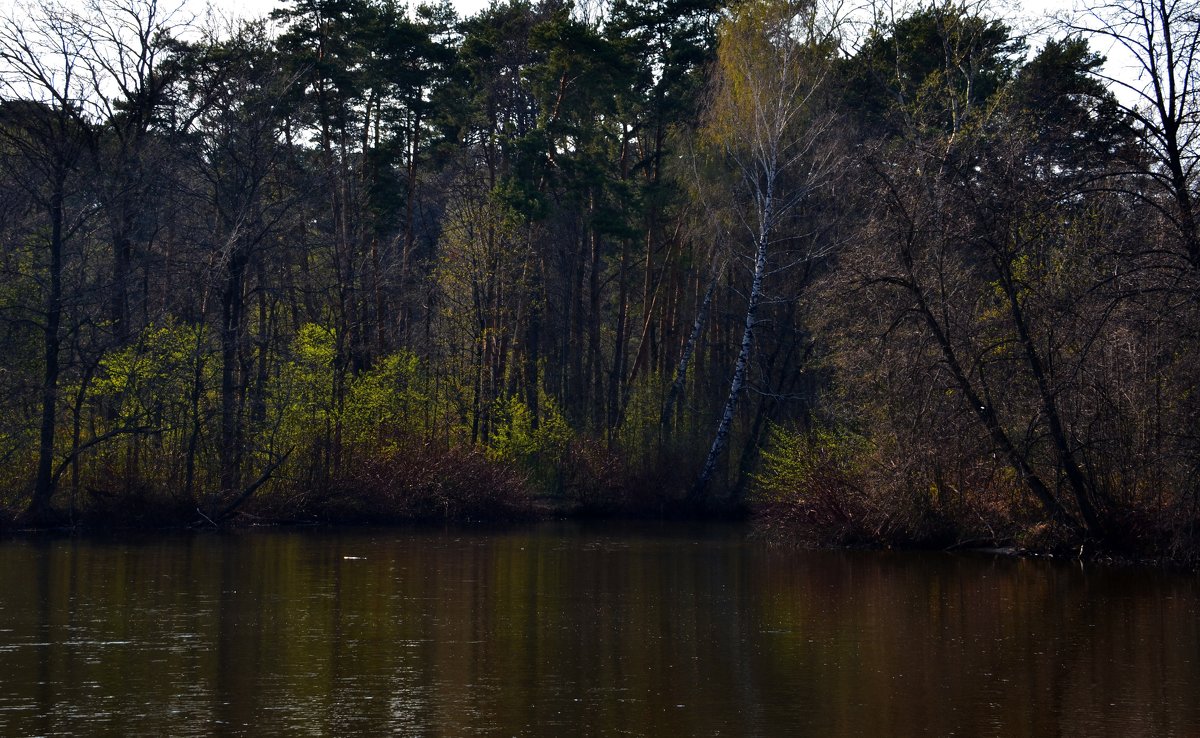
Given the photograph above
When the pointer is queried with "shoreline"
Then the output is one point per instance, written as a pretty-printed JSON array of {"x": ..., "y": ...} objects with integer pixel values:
[{"x": 680, "y": 516}]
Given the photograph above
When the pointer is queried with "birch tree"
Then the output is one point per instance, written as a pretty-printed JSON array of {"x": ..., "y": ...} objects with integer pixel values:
[{"x": 765, "y": 118}]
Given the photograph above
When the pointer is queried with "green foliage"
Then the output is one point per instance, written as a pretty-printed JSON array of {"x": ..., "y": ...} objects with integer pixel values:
[
  {"x": 386, "y": 402},
  {"x": 797, "y": 463},
  {"x": 640, "y": 427},
  {"x": 302, "y": 397},
  {"x": 306, "y": 382},
  {"x": 150, "y": 382},
  {"x": 539, "y": 450}
]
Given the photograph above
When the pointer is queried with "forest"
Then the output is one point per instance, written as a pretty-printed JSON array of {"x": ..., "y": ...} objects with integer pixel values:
[{"x": 876, "y": 276}]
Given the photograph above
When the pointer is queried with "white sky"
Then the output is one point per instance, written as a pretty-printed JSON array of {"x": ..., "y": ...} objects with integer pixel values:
[{"x": 256, "y": 8}]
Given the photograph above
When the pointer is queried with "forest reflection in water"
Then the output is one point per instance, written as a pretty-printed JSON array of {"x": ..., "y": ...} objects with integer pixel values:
[{"x": 564, "y": 629}]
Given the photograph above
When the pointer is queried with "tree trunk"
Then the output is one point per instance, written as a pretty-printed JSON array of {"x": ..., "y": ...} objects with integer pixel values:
[
  {"x": 532, "y": 344},
  {"x": 987, "y": 417},
  {"x": 43, "y": 488},
  {"x": 721, "y": 437},
  {"x": 1075, "y": 478},
  {"x": 231, "y": 327},
  {"x": 689, "y": 348}
]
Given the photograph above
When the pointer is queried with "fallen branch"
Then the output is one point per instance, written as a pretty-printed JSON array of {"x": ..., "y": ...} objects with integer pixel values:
[{"x": 246, "y": 493}]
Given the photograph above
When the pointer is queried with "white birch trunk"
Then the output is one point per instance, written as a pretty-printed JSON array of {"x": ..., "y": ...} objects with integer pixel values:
[{"x": 737, "y": 385}]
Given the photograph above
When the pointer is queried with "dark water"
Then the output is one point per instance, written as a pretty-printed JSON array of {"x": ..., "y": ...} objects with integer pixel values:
[{"x": 561, "y": 630}]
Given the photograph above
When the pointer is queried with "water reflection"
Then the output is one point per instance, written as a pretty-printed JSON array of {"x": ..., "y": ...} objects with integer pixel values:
[{"x": 564, "y": 630}]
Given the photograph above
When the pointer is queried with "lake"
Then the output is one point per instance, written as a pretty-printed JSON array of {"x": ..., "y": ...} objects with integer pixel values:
[{"x": 565, "y": 629}]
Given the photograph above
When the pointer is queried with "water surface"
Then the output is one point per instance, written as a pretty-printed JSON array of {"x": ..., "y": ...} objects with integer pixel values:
[{"x": 560, "y": 629}]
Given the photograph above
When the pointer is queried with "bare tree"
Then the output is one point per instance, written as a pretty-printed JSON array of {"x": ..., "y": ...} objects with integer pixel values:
[
  {"x": 126, "y": 63},
  {"x": 1161, "y": 38}
]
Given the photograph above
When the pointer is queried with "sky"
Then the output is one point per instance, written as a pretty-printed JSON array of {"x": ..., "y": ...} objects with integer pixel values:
[
  {"x": 255, "y": 8},
  {"x": 258, "y": 8}
]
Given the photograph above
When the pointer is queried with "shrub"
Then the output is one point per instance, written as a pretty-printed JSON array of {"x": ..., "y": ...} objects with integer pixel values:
[
  {"x": 538, "y": 451},
  {"x": 419, "y": 481},
  {"x": 812, "y": 486}
]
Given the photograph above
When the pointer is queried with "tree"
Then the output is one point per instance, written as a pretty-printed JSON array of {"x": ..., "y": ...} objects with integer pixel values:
[
  {"x": 668, "y": 46},
  {"x": 1162, "y": 39},
  {"x": 774, "y": 60},
  {"x": 932, "y": 68},
  {"x": 45, "y": 134},
  {"x": 130, "y": 85},
  {"x": 1074, "y": 123},
  {"x": 977, "y": 258},
  {"x": 238, "y": 91}
]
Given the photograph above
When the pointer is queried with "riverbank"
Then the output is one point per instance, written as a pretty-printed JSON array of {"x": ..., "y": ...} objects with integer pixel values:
[
  {"x": 825, "y": 507},
  {"x": 512, "y": 504},
  {"x": 422, "y": 484},
  {"x": 1139, "y": 540}
]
